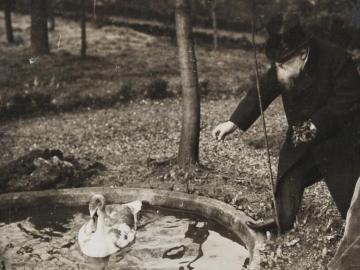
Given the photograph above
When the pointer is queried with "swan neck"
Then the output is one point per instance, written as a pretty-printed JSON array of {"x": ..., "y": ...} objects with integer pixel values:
[{"x": 101, "y": 220}]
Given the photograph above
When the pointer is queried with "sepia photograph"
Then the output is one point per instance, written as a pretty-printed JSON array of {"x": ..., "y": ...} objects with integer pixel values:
[{"x": 180, "y": 134}]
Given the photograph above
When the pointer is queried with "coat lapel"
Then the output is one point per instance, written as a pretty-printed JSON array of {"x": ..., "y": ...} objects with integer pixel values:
[{"x": 303, "y": 83}]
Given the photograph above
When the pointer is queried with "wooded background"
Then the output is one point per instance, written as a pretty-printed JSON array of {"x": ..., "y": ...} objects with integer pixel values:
[{"x": 326, "y": 17}]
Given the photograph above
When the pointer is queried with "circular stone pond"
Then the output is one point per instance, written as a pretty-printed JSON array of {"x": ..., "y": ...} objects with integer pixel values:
[{"x": 38, "y": 230}]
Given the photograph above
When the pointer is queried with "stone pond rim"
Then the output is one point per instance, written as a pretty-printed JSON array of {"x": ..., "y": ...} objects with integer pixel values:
[{"x": 234, "y": 220}]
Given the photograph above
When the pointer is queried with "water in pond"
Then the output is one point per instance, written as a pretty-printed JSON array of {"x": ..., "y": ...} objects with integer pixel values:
[{"x": 166, "y": 240}]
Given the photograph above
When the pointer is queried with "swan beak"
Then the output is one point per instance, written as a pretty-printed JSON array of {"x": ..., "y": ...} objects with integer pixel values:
[{"x": 93, "y": 212}]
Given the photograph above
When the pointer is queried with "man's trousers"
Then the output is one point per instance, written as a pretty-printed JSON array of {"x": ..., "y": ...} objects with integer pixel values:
[{"x": 290, "y": 190}]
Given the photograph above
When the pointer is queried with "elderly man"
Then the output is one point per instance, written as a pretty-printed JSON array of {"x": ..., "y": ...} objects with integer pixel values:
[{"x": 320, "y": 90}]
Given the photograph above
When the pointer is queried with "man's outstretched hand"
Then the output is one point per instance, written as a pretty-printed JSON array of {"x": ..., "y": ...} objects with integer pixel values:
[{"x": 223, "y": 129}]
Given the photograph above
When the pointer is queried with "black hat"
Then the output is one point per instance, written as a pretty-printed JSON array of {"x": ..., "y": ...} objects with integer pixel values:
[{"x": 286, "y": 37}]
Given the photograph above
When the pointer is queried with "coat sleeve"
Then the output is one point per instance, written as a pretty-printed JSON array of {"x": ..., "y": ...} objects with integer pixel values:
[
  {"x": 344, "y": 102},
  {"x": 248, "y": 109}
]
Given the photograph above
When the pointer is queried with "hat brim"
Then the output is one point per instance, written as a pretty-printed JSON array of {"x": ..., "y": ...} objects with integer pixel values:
[{"x": 279, "y": 54}]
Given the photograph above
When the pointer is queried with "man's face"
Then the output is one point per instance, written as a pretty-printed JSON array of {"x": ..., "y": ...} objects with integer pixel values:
[{"x": 288, "y": 71}]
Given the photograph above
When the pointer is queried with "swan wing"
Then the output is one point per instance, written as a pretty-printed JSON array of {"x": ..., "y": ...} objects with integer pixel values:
[
  {"x": 135, "y": 206},
  {"x": 122, "y": 213},
  {"x": 122, "y": 235}
]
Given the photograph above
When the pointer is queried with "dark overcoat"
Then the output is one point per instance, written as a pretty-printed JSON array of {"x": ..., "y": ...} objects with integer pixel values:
[{"x": 327, "y": 92}]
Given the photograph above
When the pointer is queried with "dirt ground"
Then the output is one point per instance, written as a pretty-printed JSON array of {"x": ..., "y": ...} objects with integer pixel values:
[{"x": 129, "y": 137}]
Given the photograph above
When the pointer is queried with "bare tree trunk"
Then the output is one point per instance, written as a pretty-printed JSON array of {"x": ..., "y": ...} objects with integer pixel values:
[
  {"x": 51, "y": 15},
  {"x": 39, "y": 30},
  {"x": 8, "y": 26},
  {"x": 317, "y": 8},
  {"x": 214, "y": 24},
  {"x": 356, "y": 15},
  {"x": 83, "y": 28},
  {"x": 189, "y": 143}
]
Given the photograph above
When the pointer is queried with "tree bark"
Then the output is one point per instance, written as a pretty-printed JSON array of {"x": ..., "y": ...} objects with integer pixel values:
[
  {"x": 39, "y": 30},
  {"x": 8, "y": 26},
  {"x": 83, "y": 28},
  {"x": 214, "y": 24},
  {"x": 51, "y": 15},
  {"x": 189, "y": 143},
  {"x": 356, "y": 16}
]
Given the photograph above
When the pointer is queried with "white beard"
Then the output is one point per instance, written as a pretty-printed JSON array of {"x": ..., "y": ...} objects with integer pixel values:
[
  {"x": 285, "y": 78},
  {"x": 289, "y": 73}
]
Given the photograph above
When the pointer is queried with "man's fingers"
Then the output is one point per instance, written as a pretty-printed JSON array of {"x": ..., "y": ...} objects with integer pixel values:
[
  {"x": 215, "y": 133},
  {"x": 221, "y": 135},
  {"x": 222, "y": 130}
]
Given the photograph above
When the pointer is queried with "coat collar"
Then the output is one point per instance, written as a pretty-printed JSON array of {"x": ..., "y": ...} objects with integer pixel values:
[{"x": 313, "y": 57}]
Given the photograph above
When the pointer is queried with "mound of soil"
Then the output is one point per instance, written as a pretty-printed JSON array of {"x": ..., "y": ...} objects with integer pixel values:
[{"x": 44, "y": 169}]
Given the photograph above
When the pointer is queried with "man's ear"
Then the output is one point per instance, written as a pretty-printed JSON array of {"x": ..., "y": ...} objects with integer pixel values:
[{"x": 304, "y": 53}]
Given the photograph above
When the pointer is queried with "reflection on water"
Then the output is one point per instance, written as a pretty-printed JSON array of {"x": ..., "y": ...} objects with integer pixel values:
[{"x": 46, "y": 239}]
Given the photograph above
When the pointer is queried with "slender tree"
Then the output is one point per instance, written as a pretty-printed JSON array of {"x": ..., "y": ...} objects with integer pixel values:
[
  {"x": 39, "y": 30},
  {"x": 356, "y": 16},
  {"x": 212, "y": 5},
  {"x": 8, "y": 26},
  {"x": 214, "y": 24},
  {"x": 189, "y": 143},
  {"x": 51, "y": 16},
  {"x": 83, "y": 28}
]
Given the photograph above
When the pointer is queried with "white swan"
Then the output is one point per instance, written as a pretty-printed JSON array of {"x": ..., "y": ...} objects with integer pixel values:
[{"x": 111, "y": 227}]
